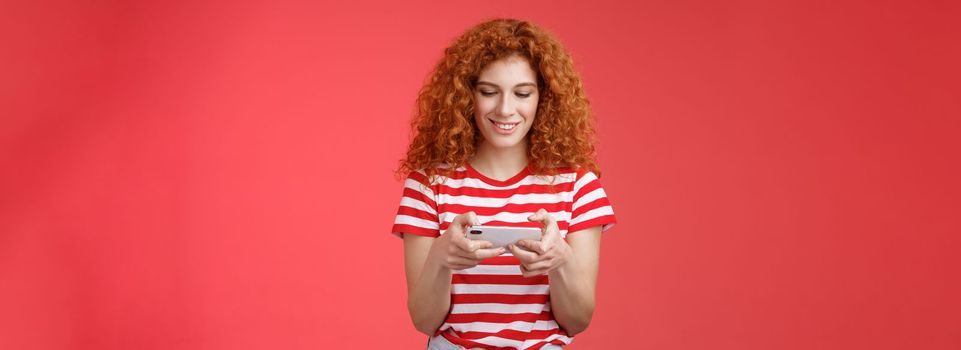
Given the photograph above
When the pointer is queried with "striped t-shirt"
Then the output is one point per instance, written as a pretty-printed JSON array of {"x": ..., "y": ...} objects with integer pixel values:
[{"x": 492, "y": 304}]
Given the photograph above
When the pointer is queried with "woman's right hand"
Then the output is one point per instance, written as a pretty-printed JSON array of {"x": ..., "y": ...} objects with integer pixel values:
[{"x": 454, "y": 251}]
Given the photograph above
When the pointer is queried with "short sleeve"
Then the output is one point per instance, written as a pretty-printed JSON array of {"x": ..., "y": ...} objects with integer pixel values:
[
  {"x": 417, "y": 213},
  {"x": 590, "y": 204}
]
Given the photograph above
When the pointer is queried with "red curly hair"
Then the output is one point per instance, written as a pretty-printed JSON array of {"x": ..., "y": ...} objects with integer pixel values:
[{"x": 443, "y": 128}]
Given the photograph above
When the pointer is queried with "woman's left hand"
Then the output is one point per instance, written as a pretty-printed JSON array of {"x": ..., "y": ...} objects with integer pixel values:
[{"x": 540, "y": 257}]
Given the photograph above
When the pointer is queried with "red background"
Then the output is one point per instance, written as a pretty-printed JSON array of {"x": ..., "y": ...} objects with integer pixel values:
[{"x": 202, "y": 175}]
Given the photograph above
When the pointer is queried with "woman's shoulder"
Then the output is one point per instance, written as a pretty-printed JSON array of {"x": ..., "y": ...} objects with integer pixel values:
[
  {"x": 437, "y": 173},
  {"x": 574, "y": 171}
]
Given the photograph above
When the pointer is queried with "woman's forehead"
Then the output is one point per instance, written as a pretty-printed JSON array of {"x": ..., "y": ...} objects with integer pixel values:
[{"x": 508, "y": 72}]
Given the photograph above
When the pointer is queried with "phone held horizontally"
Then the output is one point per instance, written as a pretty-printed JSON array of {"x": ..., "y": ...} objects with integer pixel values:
[{"x": 501, "y": 236}]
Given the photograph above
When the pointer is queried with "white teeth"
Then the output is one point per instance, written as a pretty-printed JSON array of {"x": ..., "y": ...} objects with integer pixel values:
[{"x": 505, "y": 126}]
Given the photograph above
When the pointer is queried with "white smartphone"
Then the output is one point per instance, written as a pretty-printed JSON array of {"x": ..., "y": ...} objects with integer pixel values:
[{"x": 501, "y": 236}]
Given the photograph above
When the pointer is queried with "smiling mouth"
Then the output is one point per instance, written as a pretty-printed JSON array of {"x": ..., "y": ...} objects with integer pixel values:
[{"x": 504, "y": 126}]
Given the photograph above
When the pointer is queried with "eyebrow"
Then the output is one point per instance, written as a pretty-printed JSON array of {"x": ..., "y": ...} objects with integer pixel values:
[{"x": 495, "y": 85}]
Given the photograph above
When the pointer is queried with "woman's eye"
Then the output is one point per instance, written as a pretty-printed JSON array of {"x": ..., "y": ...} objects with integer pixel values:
[
  {"x": 523, "y": 95},
  {"x": 488, "y": 93}
]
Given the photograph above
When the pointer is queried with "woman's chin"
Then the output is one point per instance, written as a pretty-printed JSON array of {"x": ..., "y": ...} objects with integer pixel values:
[{"x": 505, "y": 144}]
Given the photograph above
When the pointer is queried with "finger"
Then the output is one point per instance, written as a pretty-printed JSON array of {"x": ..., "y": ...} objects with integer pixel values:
[
  {"x": 462, "y": 244},
  {"x": 546, "y": 257},
  {"x": 464, "y": 220},
  {"x": 548, "y": 223},
  {"x": 475, "y": 245},
  {"x": 550, "y": 232},
  {"x": 542, "y": 216},
  {"x": 548, "y": 219},
  {"x": 481, "y": 254},
  {"x": 460, "y": 224},
  {"x": 538, "y": 216},
  {"x": 460, "y": 263},
  {"x": 542, "y": 254},
  {"x": 469, "y": 246},
  {"x": 469, "y": 251},
  {"x": 521, "y": 254},
  {"x": 532, "y": 245},
  {"x": 457, "y": 251},
  {"x": 526, "y": 272},
  {"x": 455, "y": 232},
  {"x": 541, "y": 265},
  {"x": 549, "y": 240}
]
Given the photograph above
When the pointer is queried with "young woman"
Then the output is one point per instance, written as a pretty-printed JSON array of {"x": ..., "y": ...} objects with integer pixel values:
[{"x": 503, "y": 136}]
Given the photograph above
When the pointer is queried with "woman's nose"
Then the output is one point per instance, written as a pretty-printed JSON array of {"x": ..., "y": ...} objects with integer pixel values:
[{"x": 505, "y": 108}]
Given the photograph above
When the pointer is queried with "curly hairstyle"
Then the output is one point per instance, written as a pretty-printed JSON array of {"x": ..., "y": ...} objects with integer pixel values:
[{"x": 443, "y": 128}]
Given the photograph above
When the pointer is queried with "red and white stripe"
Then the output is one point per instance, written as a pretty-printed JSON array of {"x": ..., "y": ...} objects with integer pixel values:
[{"x": 492, "y": 304}]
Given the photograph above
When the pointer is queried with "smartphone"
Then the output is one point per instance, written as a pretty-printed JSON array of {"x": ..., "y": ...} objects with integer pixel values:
[{"x": 501, "y": 236}]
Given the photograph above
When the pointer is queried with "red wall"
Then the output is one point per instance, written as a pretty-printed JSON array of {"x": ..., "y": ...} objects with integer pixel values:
[{"x": 200, "y": 175}]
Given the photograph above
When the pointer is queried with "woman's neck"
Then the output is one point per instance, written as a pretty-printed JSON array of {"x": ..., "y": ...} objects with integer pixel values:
[{"x": 500, "y": 163}]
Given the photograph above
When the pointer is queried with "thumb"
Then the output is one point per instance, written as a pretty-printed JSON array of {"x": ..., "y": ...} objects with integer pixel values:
[
  {"x": 462, "y": 222},
  {"x": 540, "y": 215},
  {"x": 472, "y": 219}
]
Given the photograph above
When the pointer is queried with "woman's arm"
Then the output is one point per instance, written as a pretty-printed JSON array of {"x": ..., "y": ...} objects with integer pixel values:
[
  {"x": 428, "y": 285},
  {"x": 429, "y": 263},
  {"x": 574, "y": 282},
  {"x": 571, "y": 267}
]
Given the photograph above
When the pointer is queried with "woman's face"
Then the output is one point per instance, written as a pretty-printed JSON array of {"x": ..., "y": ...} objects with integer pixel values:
[{"x": 505, "y": 101}]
